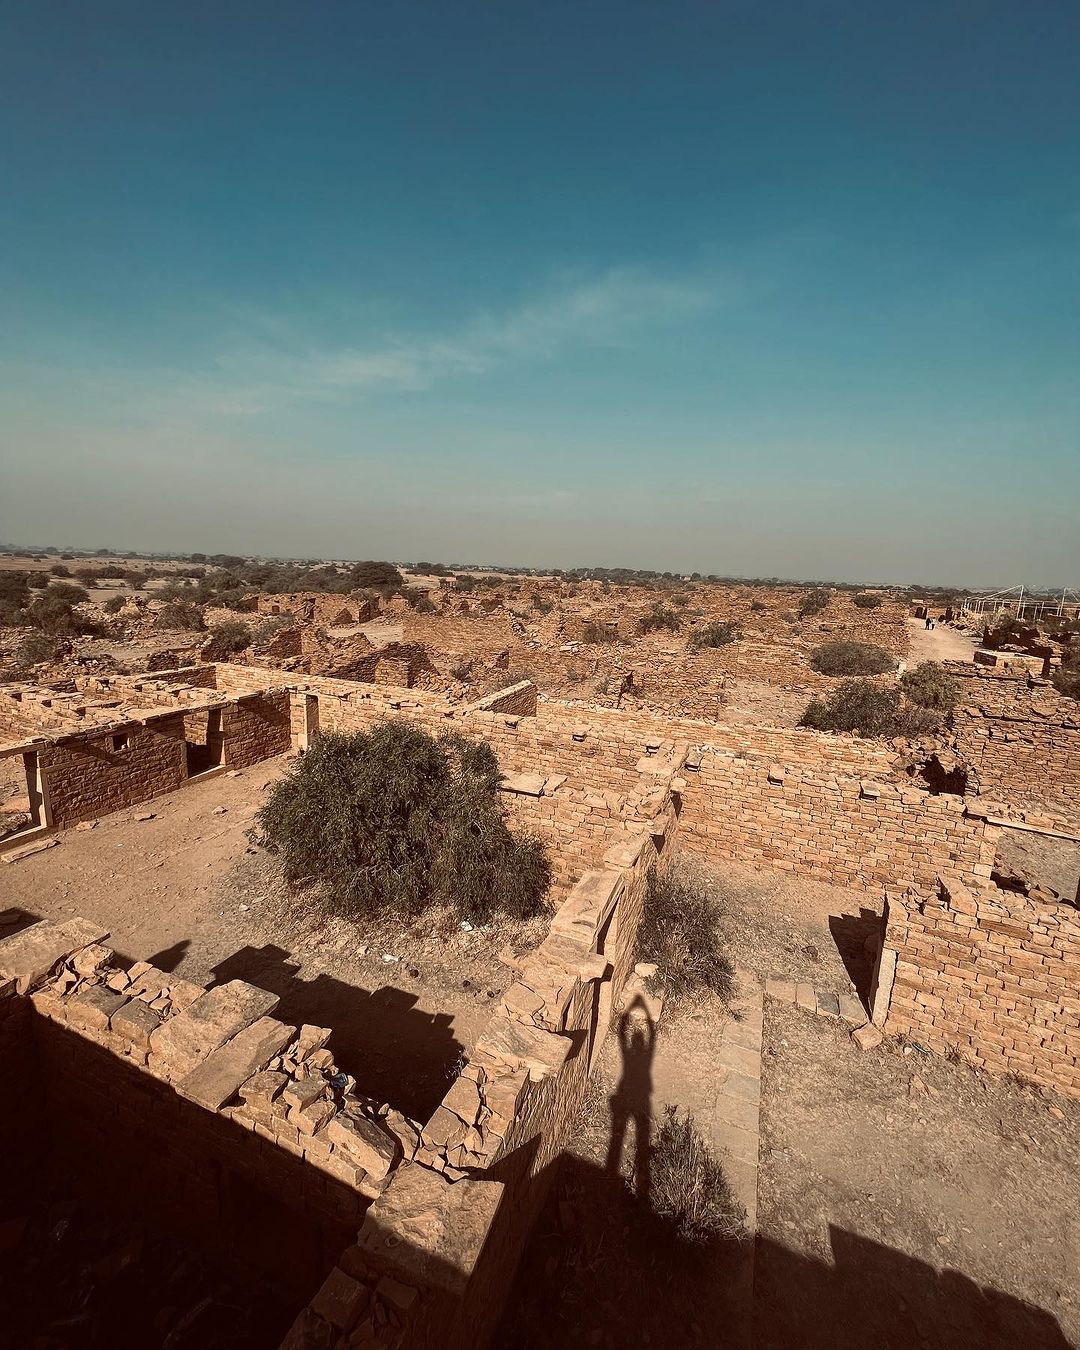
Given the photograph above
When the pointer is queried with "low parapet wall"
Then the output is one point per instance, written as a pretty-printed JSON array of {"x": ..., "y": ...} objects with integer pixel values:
[
  {"x": 179, "y": 1098},
  {"x": 989, "y": 974},
  {"x": 449, "y": 1230}
]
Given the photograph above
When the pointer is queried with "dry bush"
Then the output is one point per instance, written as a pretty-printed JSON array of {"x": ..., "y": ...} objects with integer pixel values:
[
  {"x": 227, "y": 637},
  {"x": 659, "y": 618},
  {"x": 851, "y": 658},
  {"x": 714, "y": 635},
  {"x": 598, "y": 633},
  {"x": 1066, "y": 678},
  {"x": 929, "y": 685},
  {"x": 869, "y": 709},
  {"x": 688, "y": 1189},
  {"x": 180, "y": 614},
  {"x": 866, "y": 600},
  {"x": 394, "y": 822},
  {"x": 814, "y": 602},
  {"x": 680, "y": 933}
]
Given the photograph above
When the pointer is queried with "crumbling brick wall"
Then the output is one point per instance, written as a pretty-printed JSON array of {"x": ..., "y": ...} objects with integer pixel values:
[
  {"x": 1019, "y": 738},
  {"x": 197, "y": 1104},
  {"x": 990, "y": 974},
  {"x": 89, "y": 776},
  {"x": 517, "y": 698},
  {"x": 804, "y": 818},
  {"x": 444, "y": 1239}
]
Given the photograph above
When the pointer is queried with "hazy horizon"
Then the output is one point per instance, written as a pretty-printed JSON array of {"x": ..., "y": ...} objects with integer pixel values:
[{"x": 747, "y": 290}]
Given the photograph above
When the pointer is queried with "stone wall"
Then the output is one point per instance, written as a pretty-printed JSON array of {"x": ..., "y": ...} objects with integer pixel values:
[
  {"x": 89, "y": 776},
  {"x": 517, "y": 698},
  {"x": 444, "y": 1240},
  {"x": 816, "y": 822},
  {"x": 196, "y": 1105},
  {"x": 1019, "y": 738},
  {"x": 255, "y": 727},
  {"x": 988, "y": 973}
]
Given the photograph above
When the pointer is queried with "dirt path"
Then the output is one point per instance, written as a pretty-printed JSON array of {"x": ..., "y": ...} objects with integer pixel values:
[{"x": 939, "y": 644}]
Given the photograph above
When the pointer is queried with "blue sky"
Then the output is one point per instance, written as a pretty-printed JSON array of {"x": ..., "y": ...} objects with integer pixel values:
[{"x": 750, "y": 288}]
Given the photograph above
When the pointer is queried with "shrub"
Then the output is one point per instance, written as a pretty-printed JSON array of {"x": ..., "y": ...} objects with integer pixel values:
[
  {"x": 375, "y": 575},
  {"x": 859, "y": 706},
  {"x": 66, "y": 591},
  {"x": 757, "y": 607},
  {"x": 59, "y": 570},
  {"x": 814, "y": 602},
  {"x": 394, "y": 820},
  {"x": 55, "y": 613},
  {"x": 263, "y": 632},
  {"x": 114, "y": 604},
  {"x": 598, "y": 632},
  {"x": 1066, "y": 678},
  {"x": 659, "y": 617},
  {"x": 36, "y": 648},
  {"x": 851, "y": 658},
  {"x": 182, "y": 614},
  {"x": 14, "y": 589},
  {"x": 869, "y": 709},
  {"x": 866, "y": 600},
  {"x": 227, "y": 637},
  {"x": 687, "y": 1186},
  {"x": 714, "y": 635},
  {"x": 680, "y": 932},
  {"x": 930, "y": 685}
]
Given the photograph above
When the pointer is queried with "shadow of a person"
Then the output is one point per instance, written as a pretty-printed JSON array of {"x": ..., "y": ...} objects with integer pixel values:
[{"x": 632, "y": 1099}]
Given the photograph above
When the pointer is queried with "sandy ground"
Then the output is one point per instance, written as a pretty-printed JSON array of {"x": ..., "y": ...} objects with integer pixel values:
[
  {"x": 602, "y": 1268},
  {"x": 941, "y": 644},
  {"x": 906, "y": 1201},
  {"x": 776, "y": 924},
  {"x": 188, "y": 891}
]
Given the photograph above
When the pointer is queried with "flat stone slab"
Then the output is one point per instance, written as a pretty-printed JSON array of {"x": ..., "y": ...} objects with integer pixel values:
[
  {"x": 29, "y": 956},
  {"x": 220, "y": 1014},
  {"x": 363, "y": 1142},
  {"x": 524, "y": 1047},
  {"x": 527, "y": 784},
  {"x": 782, "y": 990},
  {"x": 218, "y": 1078},
  {"x": 14, "y": 855},
  {"x": 852, "y": 1010},
  {"x": 437, "y": 1228}
]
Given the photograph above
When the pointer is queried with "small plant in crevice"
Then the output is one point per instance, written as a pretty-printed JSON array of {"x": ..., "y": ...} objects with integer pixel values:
[
  {"x": 680, "y": 933},
  {"x": 689, "y": 1192}
]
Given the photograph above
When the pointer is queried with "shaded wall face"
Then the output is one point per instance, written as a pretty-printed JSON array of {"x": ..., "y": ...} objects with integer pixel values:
[
  {"x": 92, "y": 775},
  {"x": 228, "y": 1191}
]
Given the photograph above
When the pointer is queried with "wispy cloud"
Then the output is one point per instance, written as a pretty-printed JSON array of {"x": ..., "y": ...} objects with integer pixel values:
[{"x": 612, "y": 310}]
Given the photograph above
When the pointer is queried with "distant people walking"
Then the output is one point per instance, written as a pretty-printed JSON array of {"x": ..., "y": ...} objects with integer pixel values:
[{"x": 929, "y": 623}]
